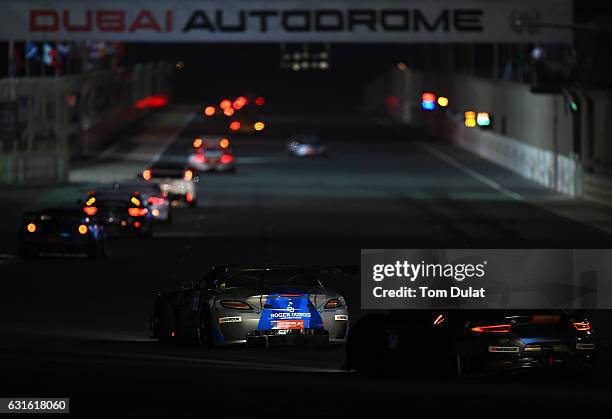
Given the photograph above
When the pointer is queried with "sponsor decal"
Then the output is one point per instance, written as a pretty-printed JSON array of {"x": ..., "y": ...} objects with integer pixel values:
[
  {"x": 505, "y": 349},
  {"x": 288, "y": 324},
  {"x": 341, "y": 317},
  {"x": 232, "y": 319}
]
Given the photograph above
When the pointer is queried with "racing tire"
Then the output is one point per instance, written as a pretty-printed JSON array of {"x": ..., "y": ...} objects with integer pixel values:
[
  {"x": 162, "y": 321},
  {"x": 204, "y": 335}
]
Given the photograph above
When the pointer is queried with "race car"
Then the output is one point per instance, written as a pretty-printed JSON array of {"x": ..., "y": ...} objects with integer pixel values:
[
  {"x": 212, "y": 155},
  {"x": 471, "y": 341},
  {"x": 301, "y": 146},
  {"x": 157, "y": 201},
  {"x": 61, "y": 231},
  {"x": 120, "y": 213},
  {"x": 253, "y": 305},
  {"x": 176, "y": 179}
]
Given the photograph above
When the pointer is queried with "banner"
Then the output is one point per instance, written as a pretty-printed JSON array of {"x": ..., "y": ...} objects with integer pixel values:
[
  {"x": 391, "y": 21},
  {"x": 486, "y": 278}
]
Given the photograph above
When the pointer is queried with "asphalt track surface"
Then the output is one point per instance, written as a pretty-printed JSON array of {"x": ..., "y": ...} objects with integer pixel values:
[{"x": 79, "y": 328}]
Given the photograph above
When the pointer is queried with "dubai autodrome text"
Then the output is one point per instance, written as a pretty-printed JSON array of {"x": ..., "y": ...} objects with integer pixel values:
[{"x": 427, "y": 292}]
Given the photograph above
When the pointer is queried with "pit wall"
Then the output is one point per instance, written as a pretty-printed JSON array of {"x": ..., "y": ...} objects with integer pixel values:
[
  {"x": 530, "y": 135},
  {"x": 58, "y": 119}
]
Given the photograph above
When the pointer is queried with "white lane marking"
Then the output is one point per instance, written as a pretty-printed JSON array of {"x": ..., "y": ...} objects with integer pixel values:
[
  {"x": 478, "y": 176},
  {"x": 560, "y": 212}
]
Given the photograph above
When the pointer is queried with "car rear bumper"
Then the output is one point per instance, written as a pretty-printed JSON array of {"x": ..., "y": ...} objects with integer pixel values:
[{"x": 303, "y": 337}]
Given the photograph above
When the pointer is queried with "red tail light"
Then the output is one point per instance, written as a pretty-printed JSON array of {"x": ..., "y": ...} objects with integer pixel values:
[
  {"x": 189, "y": 197},
  {"x": 333, "y": 303},
  {"x": 137, "y": 212},
  {"x": 235, "y": 126},
  {"x": 154, "y": 200},
  {"x": 90, "y": 210},
  {"x": 260, "y": 101},
  {"x": 495, "y": 328},
  {"x": 439, "y": 320},
  {"x": 582, "y": 326},
  {"x": 226, "y": 158},
  {"x": 200, "y": 158},
  {"x": 236, "y": 305}
]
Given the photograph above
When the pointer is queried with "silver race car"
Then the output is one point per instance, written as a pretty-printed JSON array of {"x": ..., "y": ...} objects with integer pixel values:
[
  {"x": 302, "y": 146},
  {"x": 256, "y": 305}
]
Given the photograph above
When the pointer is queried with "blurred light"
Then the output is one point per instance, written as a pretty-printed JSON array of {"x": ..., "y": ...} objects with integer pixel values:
[
  {"x": 296, "y": 56},
  {"x": 234, "y": 126},
  {"x": 228, "y": 111},
  {"x": 189, "y": 197},
  {"x": 225, "y": 103},
  {"x": 428, "y": 97},
  {"x": 323, "y": 55},
  {"x": 155, "y": 212},
  {"x": 83, "y": 229},
  {"x": 295, "y": 66},
  {"x": 188, "y": 175},
  {"x": 574, "y": 106},
  {"x": 71, "y": 100},
  {"x": 227, "y": 158},
  {"x": 137, "y": 212},
  {"x": 90, "y": 210},
  {"x": 483, "y": 119},
  {"x": 259, "y": 126},
  {"x": 135, "y": 201},
  {"x": 209, "y": 111},
  {"x": 443, "y": 101},
  {"x": 137, "y": 224},
  {"x": 179, "y": 65},
  {"x": 31, "y": 227},
  {"x": 240, "y": 102},
  {"x": 260, "y": 101},
  {"x": 323, "y": 65},
  {"x": 90, "y": 201},
  {"x": 428, "y": 101},
  {"x": 197, "y": 143},
  {"x": 428, "y": 106},
  {"x": 155, "y": 101},
  {"x": 224, "y": 143},
  {"x": 402, "y": 66},
  {"x": 123, "y": 223},
  {"x": 393, "y": 101},
  {"x": 470, "y": 119},
  {"x": 146, "y": 174},
  {"x": 155, "y": 200},
  {"x": 305, "y": 64}
]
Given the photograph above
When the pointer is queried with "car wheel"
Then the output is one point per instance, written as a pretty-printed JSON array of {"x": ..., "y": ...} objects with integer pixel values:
[
  {"x": 204, "y": 332},
  {"x": 162, "y": 322}
]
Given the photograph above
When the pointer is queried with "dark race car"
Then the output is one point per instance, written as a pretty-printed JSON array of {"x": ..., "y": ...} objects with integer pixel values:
[
  {"x": 471, "y": 341},
  {"x": 270, "y": 305},
  {"x": 120, "y": 212},
  {"x": 61, "y": 231}
]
